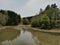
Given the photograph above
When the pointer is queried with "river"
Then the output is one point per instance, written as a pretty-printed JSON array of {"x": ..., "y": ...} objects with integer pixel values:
[{"x": 32, "y": 37}]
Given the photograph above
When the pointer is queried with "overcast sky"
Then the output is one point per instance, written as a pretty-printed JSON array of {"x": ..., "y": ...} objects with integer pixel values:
[{"x": 26, "y": 7}]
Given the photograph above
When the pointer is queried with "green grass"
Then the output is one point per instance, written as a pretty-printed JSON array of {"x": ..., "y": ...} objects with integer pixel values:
[
  {"x": 47, "y": 38},
  {"x": 8, "y": 34}
]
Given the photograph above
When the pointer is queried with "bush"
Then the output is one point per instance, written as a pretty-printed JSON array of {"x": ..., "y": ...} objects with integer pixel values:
[
  {"x": 44, "y": 22},
  {"x": 35, "y": 24},
  {"x": 25, "y": 21}
]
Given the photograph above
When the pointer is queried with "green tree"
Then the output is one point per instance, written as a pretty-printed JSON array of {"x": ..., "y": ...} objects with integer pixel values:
[
  {"x": 54, "y": 5},
  {"x": 8, "y": 17},
  {"x": 13, "y": 18},
  {"x": 25, "y": 21},
  {"x": 3, "y": 19},
  {"x": 48, "y": 6},
  {"x": 44, "y": 22},
  {"x": 49, "y": 18},
  {"x": 35, "y": 23}
]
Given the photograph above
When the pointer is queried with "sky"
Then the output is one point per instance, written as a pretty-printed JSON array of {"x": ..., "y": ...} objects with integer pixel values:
[{"x": 26, "y": 7}]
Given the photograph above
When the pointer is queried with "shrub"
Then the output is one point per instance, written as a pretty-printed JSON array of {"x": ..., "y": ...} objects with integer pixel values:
[
  {"x": 25, "y": 21},
  {"x": 35, "y": 24},
  {"x": 44, "y": 22}
]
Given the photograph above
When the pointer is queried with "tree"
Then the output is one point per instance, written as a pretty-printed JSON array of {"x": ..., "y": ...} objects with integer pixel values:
[
  {"x": 54, "y": 5},
  {"x": 13, "y": 18},
  {"x": 50, "y": 18},
  {"x": 25, "y": 21},
  {"x": 35, "y": 23},
  {"x": 48, "y": 6},
  {"x": 44, "y": 22},
  {"x": 3, "y": 19},
  {"x": 8, "y": 17},
  {"x": 19, "y": 18},
  {"x": 41, "y": 10}
]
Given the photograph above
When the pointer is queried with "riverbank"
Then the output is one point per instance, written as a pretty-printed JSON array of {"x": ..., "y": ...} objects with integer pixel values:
[
  {"x": 3, "y": 27},
  {"x": 40, "y": 36},
  {"x": 28, "y": 27}
]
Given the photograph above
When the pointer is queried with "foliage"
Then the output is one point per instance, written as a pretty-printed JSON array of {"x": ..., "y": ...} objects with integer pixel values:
[
  {"x": 49, "y": 18},
  {"x": 54, "y": 5},
  {"x": 8, "y": 17},
  {"x": 53, "y": 14},
  {"x": 3, "y": 19},
  {"x": 48, "y": 6},
  {"x": 25, "y": 21},
  {"x": 28, "y": 18},
  {"x": 35, "y": 24},
  {"x": 44, "y": 22}
]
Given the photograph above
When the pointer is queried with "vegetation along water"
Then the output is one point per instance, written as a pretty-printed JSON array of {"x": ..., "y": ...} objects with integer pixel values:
[{"x": 15, "y": 30}]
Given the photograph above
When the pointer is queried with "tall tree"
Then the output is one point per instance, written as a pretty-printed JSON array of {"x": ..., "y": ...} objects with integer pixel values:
[
  {"x": 54, "y": 5},
  {"x": 8, "y": 17},
  {"x": 48, "y": 6}
]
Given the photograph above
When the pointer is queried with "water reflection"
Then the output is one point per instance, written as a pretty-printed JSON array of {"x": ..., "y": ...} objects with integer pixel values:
[
  {"x": 25, "y": 38},
  {"x": 43, "y": 38},
  {"x": 33, "y": 37}
]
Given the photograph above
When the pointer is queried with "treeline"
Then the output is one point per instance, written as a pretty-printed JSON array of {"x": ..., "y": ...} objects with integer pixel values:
[
  {"x": 8, "y": 18},
  {"x": 47, "y": 19},
  {"x": 26, "y": 20}
]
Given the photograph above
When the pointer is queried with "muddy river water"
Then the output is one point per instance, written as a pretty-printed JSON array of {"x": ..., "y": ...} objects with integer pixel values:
[{"x": 31, "y": 37}]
